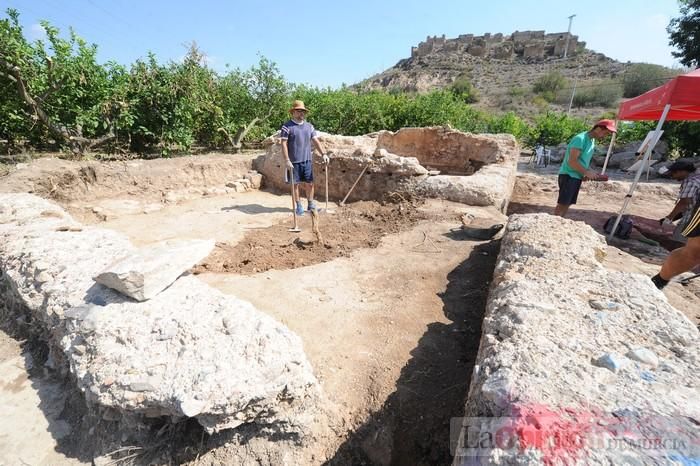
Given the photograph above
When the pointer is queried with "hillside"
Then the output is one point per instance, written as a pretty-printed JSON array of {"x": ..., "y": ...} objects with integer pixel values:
[{"x": 503, "y": 69}]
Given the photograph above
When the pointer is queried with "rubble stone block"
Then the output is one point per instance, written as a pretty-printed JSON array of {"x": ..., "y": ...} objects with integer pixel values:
[
  {"x": 190, "y": 351},
  {"x": 151, "y": 269},
  {"x": 551, "y": 362}
]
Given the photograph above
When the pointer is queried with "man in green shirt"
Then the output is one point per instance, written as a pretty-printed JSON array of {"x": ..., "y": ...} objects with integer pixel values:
[{"x": 577, "y": 160}]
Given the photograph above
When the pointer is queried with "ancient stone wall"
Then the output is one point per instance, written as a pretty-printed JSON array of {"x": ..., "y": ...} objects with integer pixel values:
[
  {"x": 580, "y": 364},
  {"x": 431, "y": 162},
  {"x": 190, "y": 351},
  {"x": 521, "y": 44}
]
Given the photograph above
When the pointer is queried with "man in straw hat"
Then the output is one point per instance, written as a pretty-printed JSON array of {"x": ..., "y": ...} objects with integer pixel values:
[
  {"x": 577, "y": 160},
  {"x": 297, "y": 137}
]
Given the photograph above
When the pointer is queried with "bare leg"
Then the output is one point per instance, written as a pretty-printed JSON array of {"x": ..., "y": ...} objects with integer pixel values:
[
  {"x": 309, "y": 191},
  {"x": 296, "y": 193},
  {"x": 682, "y": 259},
  {"x": 561, "y": 210}
]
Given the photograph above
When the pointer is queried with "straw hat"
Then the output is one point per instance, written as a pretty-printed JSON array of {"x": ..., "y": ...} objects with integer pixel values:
[{"x": 298, "y": 105}]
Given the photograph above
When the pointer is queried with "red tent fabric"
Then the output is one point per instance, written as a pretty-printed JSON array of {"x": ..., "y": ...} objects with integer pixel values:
[{"x": 682, "y": 92}]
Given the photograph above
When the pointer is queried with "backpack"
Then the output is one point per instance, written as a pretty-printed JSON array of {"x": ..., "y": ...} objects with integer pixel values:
[{"x": 624, "y": 228}]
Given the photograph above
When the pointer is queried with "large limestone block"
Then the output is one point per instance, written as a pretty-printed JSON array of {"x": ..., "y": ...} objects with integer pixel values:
[
  {"x": 491, "y": 185},
  {"x": 189, "y": 352},
  {"x": 147, "y": 272}
]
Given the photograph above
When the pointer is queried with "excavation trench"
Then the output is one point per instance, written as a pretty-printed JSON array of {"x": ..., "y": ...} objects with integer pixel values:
[{"x": 388, "y": 307}]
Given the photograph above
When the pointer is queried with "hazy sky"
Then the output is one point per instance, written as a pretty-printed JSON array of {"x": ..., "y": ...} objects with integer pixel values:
[{"x": 329, "y": 43}]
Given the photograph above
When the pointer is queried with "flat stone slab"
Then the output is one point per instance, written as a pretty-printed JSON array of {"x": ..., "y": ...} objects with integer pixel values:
[
  {"x": 188, "y": 352},
  {"x": 582, "y": 365},
  {"x": 152, "y": 268}
]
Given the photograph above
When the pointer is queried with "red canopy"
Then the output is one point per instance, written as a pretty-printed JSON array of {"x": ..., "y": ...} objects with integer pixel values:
[{"x": 682, "y": 92}]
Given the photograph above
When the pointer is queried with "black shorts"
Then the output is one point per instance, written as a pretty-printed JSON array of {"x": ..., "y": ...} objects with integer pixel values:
[
  {"x": 568, "y": 189},
  {"x": 692, "y": 229},
  {"x": 303, "y": 172}
]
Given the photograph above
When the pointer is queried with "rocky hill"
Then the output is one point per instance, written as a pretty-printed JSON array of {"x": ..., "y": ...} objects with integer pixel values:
[{"x": 501, "y": 67}]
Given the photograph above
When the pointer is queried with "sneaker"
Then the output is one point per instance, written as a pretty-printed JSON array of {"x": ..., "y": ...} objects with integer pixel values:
[
  {"x": 312, "y": 206},
  {"x": 299, "y": 209}
]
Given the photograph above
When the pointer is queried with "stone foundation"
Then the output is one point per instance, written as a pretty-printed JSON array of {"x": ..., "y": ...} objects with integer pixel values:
[
  {"x": 190, "y": 351},
  {"x": 433, "y": 162},
  {"x": 579, "y": 364}
]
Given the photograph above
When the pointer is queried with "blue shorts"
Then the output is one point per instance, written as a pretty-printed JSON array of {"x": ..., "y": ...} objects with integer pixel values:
[
  {"x": 568, "y": 189},
  {"x": 303, "y": 172}
]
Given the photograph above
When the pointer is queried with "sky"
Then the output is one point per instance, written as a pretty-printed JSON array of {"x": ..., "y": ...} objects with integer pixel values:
[{"x": 326, "y": 44}]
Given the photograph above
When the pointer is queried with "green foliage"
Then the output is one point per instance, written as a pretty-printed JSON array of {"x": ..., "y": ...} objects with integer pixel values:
[
  {"x": 552, "y": 128},
  {"x": 598, "y": 94},
  {"x": 463, "y": 88},
  {"x": 683, "y": 136},
  {"x": 642, "y": 77},
  {"x": 152, "y": 106},
  {"x": 684, "y": 33},
  {"x": 549, "y": 84},
  {"x": 349, "y": 113},
  {"x": 63, "y": 78},
  {"x": 346, "y": 112},
  {"x": 633, "y": 131},
  {"x": 510, "y": 123}
]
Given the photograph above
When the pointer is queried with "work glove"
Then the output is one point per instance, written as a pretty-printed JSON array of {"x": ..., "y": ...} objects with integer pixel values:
[
  {"x": 665, "y": 221},
  {"x": 290, "y": 165},
  {"x": 326, "y": 159}
]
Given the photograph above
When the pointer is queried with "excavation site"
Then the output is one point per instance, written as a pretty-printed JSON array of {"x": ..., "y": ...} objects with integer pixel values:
[{"x": 162, "y": 312}]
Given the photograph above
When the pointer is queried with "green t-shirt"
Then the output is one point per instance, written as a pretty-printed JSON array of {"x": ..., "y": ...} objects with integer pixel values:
[{"x": 584, "y": 143}]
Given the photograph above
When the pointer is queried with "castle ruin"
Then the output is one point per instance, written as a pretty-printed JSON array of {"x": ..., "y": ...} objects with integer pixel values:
[{"x": 534, "y": 45}]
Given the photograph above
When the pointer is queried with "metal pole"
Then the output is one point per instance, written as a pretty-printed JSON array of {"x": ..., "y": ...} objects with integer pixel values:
[
  {"x": 568, "y": 35},
  {"x": 610, "y": 148},
  {"x": 573, "y": 91},
  {"x": 647, "y": 155}
]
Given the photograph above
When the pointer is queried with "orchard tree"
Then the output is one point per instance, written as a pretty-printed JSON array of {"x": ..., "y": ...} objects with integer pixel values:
[
  {"x": 59, "y": 85},
  {"x": 253, "y": 102},
  {"x": 685, "y": 33}
]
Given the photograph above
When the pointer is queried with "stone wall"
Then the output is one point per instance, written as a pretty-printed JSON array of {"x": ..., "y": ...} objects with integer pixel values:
[
  {"x": 435, "y": 162},
  {"x": 190, "y": 351},
  {"x": 577, "y": 363},
  {"x": 522, "y": 44}
]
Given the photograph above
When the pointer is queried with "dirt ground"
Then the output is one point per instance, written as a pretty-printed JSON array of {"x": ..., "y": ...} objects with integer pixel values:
[
  {"x": 360, "y": 225},
  {"x": 389, "y": 306}
]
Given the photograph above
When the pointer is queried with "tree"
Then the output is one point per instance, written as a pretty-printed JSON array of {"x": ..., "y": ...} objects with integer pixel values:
[
  {"x": 551, "y": 129},
  {"x": 61, "y": 87},
  {"x": 249, "y": 99},
  {"x": 685, "y": 33},
  {"x": 642, "y": 77}
]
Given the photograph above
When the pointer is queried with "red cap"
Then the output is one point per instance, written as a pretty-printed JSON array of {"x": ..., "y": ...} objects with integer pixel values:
[{"x": 607, "y": 124}]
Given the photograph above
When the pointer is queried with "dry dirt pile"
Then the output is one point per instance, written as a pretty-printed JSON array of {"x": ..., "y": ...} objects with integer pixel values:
[{"x": 360, "y": 225}]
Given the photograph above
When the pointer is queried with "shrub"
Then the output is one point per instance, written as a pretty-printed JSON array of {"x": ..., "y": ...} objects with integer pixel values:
[
  {"x": 549, "y": 84},
  {"x": 464, "y": 90},
  {"x": 642, "y": 77},
  {"x": 510, "y": 123},
  {"x": 600, "y": 94},
  {"x": 552, "y": 128}
]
